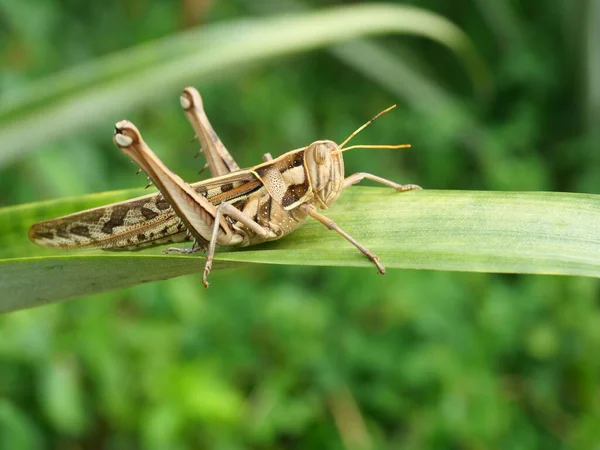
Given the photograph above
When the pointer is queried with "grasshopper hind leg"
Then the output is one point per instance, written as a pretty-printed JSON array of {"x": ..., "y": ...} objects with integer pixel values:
[{"x": 219, "y": 160}]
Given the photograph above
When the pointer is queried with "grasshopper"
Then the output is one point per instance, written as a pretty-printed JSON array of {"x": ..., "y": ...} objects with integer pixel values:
[{"x": 237, "y": 207}]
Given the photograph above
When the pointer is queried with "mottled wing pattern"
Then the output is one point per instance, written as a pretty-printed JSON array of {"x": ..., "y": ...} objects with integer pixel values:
[
  {"x": 139, "y": 222},
  {"x": 132, "y": 224}
]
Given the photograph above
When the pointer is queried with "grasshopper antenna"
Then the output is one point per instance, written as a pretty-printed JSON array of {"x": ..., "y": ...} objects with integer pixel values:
[
  {"x": 390, "y": 147},
  {"x": 365, "y": 126}
]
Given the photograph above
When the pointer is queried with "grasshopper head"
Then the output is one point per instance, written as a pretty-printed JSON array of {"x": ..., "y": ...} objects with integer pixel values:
[{"x": 325, "y": 166}]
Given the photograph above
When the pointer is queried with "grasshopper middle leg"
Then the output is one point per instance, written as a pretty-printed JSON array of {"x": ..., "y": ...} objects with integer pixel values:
[
  {"x": 329, "y": 223},
  {"x": 230, "y": 211}
]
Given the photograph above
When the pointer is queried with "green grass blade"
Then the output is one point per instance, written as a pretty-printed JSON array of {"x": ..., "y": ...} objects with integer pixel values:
[
  {"x": 120, "y": 83},
  {"x": 512, "y": 232}
]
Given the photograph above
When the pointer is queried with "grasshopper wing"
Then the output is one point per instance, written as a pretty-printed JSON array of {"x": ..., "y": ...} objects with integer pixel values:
[{"x": 128, "y": 225}]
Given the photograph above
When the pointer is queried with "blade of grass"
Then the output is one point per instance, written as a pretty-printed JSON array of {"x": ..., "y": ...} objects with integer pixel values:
[
  {"x": 511, "y": 232},
  {"x": 377, "y": 63},
  {"x": 119, "y": 83}
]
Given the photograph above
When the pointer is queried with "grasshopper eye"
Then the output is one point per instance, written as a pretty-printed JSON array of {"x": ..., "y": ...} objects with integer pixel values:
[{"x": 321, "y": 153}]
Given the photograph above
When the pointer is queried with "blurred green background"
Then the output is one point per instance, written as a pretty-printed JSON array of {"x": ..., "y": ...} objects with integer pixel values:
[{"x": 302, "y": 357}]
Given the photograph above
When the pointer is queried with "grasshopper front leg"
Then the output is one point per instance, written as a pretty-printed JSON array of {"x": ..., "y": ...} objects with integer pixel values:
[{"x": 358, "y": 177}]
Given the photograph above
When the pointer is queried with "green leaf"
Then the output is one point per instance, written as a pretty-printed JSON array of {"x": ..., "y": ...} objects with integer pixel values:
[
  {"x": 512, "y": 232},
  {"x": 122, "y": 82},
  {"x": 61, "y": 396},
  {"x": 17, "y": 429}
]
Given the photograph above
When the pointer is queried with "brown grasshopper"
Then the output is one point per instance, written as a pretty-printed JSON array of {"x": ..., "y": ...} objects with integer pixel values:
[{"x": 237, "y": 207}]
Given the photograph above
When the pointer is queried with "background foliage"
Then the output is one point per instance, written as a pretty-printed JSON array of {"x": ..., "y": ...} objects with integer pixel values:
[{"x": 278, "y": 357}]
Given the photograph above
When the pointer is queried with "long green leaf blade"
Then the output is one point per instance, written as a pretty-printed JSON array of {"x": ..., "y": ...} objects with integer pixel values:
[{"x": 511, "y": 232}]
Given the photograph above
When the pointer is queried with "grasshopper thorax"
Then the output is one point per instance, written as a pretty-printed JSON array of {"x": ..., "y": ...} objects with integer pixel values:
[{"x": 325, "y": 167}]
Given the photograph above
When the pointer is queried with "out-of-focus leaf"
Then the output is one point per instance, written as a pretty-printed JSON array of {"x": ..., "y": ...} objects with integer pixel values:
[
  {"x": 119, "y": 83},
  {"x": 16, "y": 429},
  {"x": 61, "y": 396},
  {"x": 514, "y": 232},
  {"x": 593, "y": 65}
]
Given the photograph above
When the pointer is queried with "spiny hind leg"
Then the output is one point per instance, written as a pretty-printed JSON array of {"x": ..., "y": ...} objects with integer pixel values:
[
  {"x": 220, "y": 161},
  {"x": 358, "y": 177}
]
